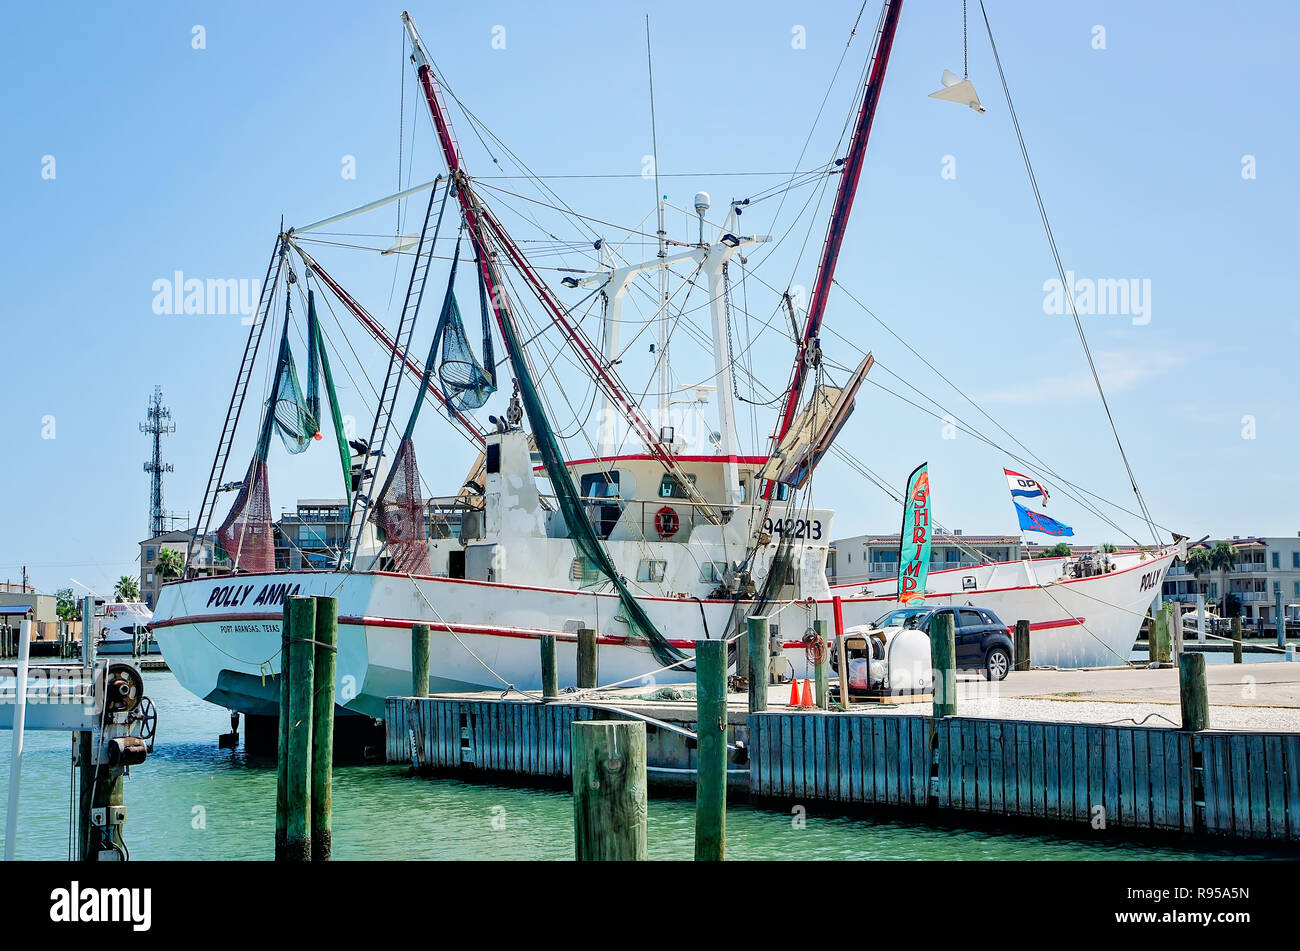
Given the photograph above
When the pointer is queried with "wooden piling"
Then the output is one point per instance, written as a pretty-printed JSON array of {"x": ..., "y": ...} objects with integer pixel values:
[
  {"x": 1236, "y": 640},
  {"x": 758, "y": 665},
  {"x": 609, "y": 790},
  {"x": 1175, "y": 632},
  {"x": 943, "y": 655},
  {"x": 419, "y": 660},
  {"x": 711, "y": 750},
  {"x": 1166, "y": 633},
  {"x": 1279, "y": 608},
  {"x": 1020, "y": 644},
  {"x": 822, "y": 670},
  {"x": 588, "y": 669},
  {"x": 282, "y": 748},
  {"x": 322, "y": 727},
  {"x": 1193, "y": 694},
  {"x": 550, "y": 673},
  {"x": 302, "y": 662}
]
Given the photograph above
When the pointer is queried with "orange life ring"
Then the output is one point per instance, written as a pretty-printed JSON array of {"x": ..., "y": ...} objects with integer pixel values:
[{"x": 666, "y": 522}]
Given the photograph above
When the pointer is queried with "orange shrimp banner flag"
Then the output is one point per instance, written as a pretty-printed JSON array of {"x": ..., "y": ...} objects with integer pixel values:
[{"x": 914, "y": 540}]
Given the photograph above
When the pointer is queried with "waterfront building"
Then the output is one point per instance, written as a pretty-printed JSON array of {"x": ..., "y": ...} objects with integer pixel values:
[
  {"x": 1263, "y": 567},
  {"x": 209, "y": 560}
]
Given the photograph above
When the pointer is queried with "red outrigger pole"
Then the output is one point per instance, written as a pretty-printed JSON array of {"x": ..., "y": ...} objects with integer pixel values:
[
  {"x": 840, "y": 215},
  {"x": 478, "y": 220}
]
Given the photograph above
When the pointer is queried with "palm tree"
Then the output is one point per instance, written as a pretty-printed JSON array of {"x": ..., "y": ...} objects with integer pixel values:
[
  {"x": 127, "y": 589},
  {"x": 1198, "y": 562},
  {"x": 171, "y": 564},
  {"x": 1221, "y": 558}
]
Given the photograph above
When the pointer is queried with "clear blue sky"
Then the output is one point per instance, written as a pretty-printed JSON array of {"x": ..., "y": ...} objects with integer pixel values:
[{"x": 172, "y": 158}]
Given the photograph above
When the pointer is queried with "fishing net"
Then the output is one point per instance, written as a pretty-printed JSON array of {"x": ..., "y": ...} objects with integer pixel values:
[
  {"x": 294, "y": 420},
  {"x": 316, "y": 347},
  {"x": 399, "y": 514},
  {"x": 246, "y": 535},
  {"x": 466, "y": 383}
]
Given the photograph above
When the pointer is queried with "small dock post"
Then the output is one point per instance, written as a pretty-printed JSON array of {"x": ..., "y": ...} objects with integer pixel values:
[
  {"x": 1020, "y": 644},
  {"x": 322, "y": 727},
  {"x": 302, "y": 662},
  {"x": 1200, "y": 618},
  {"x": 943, "y": 655},
  {"x": 1236, "y": 640},
  {"x": 1193, "y": 694},
  {"x": 282, "y": 739},
  {"x": 711, "y": 750},
  {"x": 1166, "y": 632},
  {"x": 841, "y": 655},
  {"x": 419, "y": 660},
  {"x": 550, "y": 674},
  {"x": 19, "y": 719},
  {"x": 85, "y": 738},
  {"x": 1175, "y": 631},
  {"x": 588, "y": 669},
  {"x": 609, "y": 790},
  {"x": 822, "y": 670},
  {"x": 1280, "y": 609},
  {"x": 757, "y": 635}
]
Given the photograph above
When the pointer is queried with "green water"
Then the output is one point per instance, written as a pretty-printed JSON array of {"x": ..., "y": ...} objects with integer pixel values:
[{"x": 193, "y": 801}]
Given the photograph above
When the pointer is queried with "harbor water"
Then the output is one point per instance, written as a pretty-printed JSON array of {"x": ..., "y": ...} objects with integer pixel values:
[{"x": 193, "y": 801}]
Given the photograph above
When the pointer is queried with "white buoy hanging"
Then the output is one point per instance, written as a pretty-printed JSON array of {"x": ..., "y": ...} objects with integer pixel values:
[{"x": 961, "y": 91}]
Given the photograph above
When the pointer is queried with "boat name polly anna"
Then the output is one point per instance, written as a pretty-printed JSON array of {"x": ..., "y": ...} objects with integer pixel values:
[{"x": 236, "y": 595}]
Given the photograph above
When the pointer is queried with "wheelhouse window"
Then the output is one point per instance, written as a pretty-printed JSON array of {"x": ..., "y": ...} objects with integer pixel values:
[
  {"x": 600, "y": 485},
  {"x": 596, "y": 488},
  {"x": 651, "y": 570},
  {"x": 713, "y": 572},
  {"x": 670, "y": 487}
]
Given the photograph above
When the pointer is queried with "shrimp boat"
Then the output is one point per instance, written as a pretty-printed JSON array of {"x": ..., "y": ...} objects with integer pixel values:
[{"x": 654, "y": 537}]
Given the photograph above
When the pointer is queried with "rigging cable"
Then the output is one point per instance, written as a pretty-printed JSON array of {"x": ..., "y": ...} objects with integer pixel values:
[{"x": 1060, "y": 269}]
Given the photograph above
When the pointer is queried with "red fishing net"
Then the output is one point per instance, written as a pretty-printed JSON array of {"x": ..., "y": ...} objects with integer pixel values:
[
  {"x": 246, "y": 535},
  {"x": 398, "y": 514}
]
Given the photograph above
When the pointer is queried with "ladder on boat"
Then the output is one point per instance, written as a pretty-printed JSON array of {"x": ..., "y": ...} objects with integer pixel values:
[
  {"x": 378, "y": 442},
  {"x": 236, "y": 407}
]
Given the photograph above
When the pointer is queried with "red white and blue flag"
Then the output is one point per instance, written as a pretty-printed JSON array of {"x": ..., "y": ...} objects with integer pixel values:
[{"x": 1025, "y": 487}]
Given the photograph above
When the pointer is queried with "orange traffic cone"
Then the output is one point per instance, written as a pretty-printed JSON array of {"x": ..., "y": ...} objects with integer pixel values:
[
  {"x": 807, "y": 700},
  {"x": 794, "y": 692}
]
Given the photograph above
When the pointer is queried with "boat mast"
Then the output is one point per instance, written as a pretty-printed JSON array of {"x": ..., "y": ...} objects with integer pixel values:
[
  {"x": 661, "y": 307},
  {"x": 840, "y": 214},
  {"x": 484, "y": 226}
]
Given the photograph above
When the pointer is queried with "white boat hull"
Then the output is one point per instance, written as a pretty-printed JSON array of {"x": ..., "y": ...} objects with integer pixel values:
[{"x": 221, "y": 636}]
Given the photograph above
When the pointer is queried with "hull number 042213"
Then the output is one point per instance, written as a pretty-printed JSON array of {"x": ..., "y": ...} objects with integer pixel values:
[{"x": 794, "y": 528}]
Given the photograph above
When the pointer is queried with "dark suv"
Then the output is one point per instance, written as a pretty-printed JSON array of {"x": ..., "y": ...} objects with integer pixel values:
[{"x": 982, "y": 639}]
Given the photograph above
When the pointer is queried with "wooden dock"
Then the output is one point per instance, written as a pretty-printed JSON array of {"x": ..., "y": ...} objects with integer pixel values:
[
  {"x": 1099, "y": 777},
  {"x": 1243, "y": 785}
]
